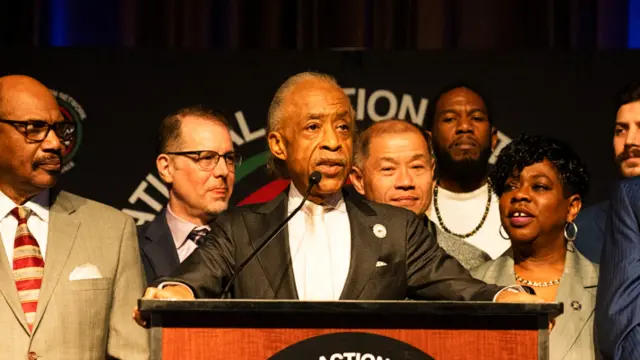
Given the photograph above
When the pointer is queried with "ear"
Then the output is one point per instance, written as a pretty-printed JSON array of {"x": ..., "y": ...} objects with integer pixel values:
[
  {"x": 494, "y": 138},
  {"x": 165, "y": 168},
  {"x": 277, "y": 145},
  {"x": 575, "y": 204},
  {"x": 357, "y": 179}
]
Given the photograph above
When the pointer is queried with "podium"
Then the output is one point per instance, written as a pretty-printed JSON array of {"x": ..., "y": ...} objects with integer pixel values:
[{"x": 353, "y": 330}]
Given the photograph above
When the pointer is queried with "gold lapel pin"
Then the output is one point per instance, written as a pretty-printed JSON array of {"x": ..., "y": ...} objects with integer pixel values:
[{"x": 576, "y": 305}]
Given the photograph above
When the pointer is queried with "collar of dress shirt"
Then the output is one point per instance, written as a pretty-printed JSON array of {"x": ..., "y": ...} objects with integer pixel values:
[
  {"x": 39, "y": 204},
  {"x": 335, "y": 202},
  {"x": 180, "y": 228}
]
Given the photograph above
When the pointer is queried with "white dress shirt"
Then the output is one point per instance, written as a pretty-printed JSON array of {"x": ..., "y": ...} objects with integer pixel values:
[
  {"x": 338, "y": 231},
  {"x": 180, "y": 230},
  {"x": 38, "y": 222}
]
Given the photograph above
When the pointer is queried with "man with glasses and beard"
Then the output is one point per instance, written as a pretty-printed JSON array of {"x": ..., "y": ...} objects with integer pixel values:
[
  {"x": 626, "y": 145},
  {"x": 197, "y": 161},
  {"x": 463, "y": 139},
  {"x": 69, "y": 267}
]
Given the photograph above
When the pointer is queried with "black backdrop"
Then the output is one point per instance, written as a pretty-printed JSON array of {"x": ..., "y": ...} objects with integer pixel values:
[{"x": 125, "y": 94}]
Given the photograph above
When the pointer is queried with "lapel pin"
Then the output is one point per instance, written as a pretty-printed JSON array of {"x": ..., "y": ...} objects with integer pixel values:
[
  {"x": 379, "y": 231},
  {"x": 576, "y": 305}
]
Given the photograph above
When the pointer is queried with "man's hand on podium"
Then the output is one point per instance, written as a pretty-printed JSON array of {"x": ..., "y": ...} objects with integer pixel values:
[
  {"x": 518, "y": 297},
  {"x": 169, "y": 292}
]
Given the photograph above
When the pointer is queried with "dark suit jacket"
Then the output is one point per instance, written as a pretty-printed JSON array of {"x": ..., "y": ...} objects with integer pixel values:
[
  {"x": 417, "y": 266},
  {"x": 618, "y": 299},
  {"x": 591, "y": 223},
  {"x": 157, "y": 248}
]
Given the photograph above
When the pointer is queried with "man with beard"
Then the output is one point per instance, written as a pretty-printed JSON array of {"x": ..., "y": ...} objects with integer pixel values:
[
  {"x": 197, "y": 161},
  {"x": 69, "y": 267},
  {"x": 338, "y": 247},
  {"x": 463, "y": 139},
  {"x": 626, "y": 145}
]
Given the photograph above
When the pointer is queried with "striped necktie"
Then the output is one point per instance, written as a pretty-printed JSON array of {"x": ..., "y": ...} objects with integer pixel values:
[
  {"x": 28, "y": 265},
  {"x": 197, "y": 235}
]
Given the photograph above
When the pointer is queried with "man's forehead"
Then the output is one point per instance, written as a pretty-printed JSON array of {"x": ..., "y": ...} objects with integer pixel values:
[
  {"x": 399, "y": 144},
  {"x": 461, "y": 97},
  {"x": 29, "y": 105}
]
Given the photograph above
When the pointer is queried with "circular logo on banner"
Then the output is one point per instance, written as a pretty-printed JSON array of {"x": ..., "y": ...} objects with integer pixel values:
[
  {"x": 351, "y": 345},
  {"x": 72, "y": 111}
]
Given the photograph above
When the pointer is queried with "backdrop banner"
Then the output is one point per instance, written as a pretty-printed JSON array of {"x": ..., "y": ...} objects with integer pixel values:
[{"x": 119, "y": 97}]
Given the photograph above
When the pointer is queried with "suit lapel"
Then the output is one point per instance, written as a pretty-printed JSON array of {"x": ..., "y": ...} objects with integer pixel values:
[
  {"x": 275, "y": 259},
  {"x": 578, "y": 286},
  {"x": 159, "y": 247},
  {"x": 365, "y": 247},
  {"x": 501, "y": 271},
  {"x": 62, "y": 234},
  {"x": 8, "y": 287}
]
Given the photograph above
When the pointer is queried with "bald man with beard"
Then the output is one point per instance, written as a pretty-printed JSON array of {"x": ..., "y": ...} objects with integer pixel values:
[{"x": 70, "y": 268}]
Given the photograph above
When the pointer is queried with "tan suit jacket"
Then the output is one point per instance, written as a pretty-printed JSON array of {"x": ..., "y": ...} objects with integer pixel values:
[
  {"x": 572, "y": 337},
  {"x": 81, "y": 319}
]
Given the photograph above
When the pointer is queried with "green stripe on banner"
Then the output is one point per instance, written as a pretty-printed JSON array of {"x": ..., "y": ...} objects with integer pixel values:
[{"x": 251, "y": 164}]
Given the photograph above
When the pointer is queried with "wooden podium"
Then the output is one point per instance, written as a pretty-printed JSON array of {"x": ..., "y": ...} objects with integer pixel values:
[{"x": 353, "y": 330}]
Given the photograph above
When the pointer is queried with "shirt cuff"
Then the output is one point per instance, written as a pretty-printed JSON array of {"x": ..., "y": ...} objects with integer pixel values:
[
  {"x": 175, "y": 283},
  {"x": 510, "y": 288}
]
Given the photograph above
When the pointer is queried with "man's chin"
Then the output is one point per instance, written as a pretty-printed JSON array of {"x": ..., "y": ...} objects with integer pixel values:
[
  {"x": 329, "y": 186},
  {"x": 45, "y": 181},
  {"x": 629, "y": 169},
  {"x": 216, "y": 207}
]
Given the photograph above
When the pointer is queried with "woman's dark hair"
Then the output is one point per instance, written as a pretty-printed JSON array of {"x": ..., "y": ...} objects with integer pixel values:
[{"x": 527, "y": 150}]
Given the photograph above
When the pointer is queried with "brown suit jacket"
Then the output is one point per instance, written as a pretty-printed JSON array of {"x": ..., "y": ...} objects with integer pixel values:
[
  {"x": 416, "y": 266},
  {"x": 87, "y": 319}
]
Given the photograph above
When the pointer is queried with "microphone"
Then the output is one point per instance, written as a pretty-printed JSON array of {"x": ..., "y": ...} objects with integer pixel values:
[{"x": 314, "y": 179}]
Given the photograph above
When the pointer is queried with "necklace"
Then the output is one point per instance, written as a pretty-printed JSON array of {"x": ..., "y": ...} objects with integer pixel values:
[
  {"x": 536, "y": 283},
  {"x": 475, "y": 230}
]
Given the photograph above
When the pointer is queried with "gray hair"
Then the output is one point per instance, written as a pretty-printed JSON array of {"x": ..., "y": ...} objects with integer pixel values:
[{"x": 275, "y": 166}]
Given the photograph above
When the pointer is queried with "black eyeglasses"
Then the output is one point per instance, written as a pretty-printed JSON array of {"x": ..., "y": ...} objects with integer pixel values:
[
  {"x": 38, "y": 130},
  {"x": 207, "y": 159}
]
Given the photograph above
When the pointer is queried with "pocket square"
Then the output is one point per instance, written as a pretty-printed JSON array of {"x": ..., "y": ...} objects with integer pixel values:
[
  {"x": 84, "y": 272},
  {"x": 381, "y": 264}
]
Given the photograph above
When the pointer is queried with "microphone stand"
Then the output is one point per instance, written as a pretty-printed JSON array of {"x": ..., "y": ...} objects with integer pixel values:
[{"x": 314, "y": 179}]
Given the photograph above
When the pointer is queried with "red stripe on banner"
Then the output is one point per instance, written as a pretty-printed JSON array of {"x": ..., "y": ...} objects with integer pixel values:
[
  {"x": 266, "y": 193},
  {"x": 26, "y": 262},
  {"x": 29, "y": 306},
  {"x": 25, "y": 240},
  {"x": 31, "y": 284}
]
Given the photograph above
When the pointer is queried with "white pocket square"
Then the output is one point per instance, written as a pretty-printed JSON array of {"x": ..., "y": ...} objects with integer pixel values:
[
  {"x": 381, "y": 264},
  {"x": 84, "y": 272}
]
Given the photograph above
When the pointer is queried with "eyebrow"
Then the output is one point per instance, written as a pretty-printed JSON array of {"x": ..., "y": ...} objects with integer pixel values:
[
  {"x": 418, "y": 157},
  {"x": 538, "y": 176},
  {"x": 454, "y": 111},
  {"x": 389, "y": 159}
]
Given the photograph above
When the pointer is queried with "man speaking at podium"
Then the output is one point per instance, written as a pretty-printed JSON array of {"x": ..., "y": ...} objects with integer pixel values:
[{"x": 336, "y": 247}]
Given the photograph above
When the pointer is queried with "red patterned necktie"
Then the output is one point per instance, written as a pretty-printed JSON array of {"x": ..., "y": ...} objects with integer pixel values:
[{"x": 28, "y": 265}]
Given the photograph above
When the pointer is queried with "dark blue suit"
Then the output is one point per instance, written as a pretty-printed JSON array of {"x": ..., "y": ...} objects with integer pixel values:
[
  {"x": 618, "y": 299},
  {"x": 157, "y": 248},
  {"x": 591, "y": 223}
]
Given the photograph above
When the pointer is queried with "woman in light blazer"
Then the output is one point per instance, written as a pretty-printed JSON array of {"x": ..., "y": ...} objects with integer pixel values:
[{"x": 540, "y": 183}]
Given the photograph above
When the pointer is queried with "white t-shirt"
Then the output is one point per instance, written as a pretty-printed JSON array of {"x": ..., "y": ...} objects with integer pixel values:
[{"x": 462, "y": 212}]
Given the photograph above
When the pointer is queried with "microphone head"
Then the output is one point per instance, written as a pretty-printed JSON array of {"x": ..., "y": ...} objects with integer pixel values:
[{"x": 314, "y": 178}]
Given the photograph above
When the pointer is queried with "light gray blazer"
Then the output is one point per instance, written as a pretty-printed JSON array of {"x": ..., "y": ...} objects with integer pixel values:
[
  {"x": 468, "y": 255},
  {"x": 85, "y": 319},
  {"x": 572, "y": 337}
]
